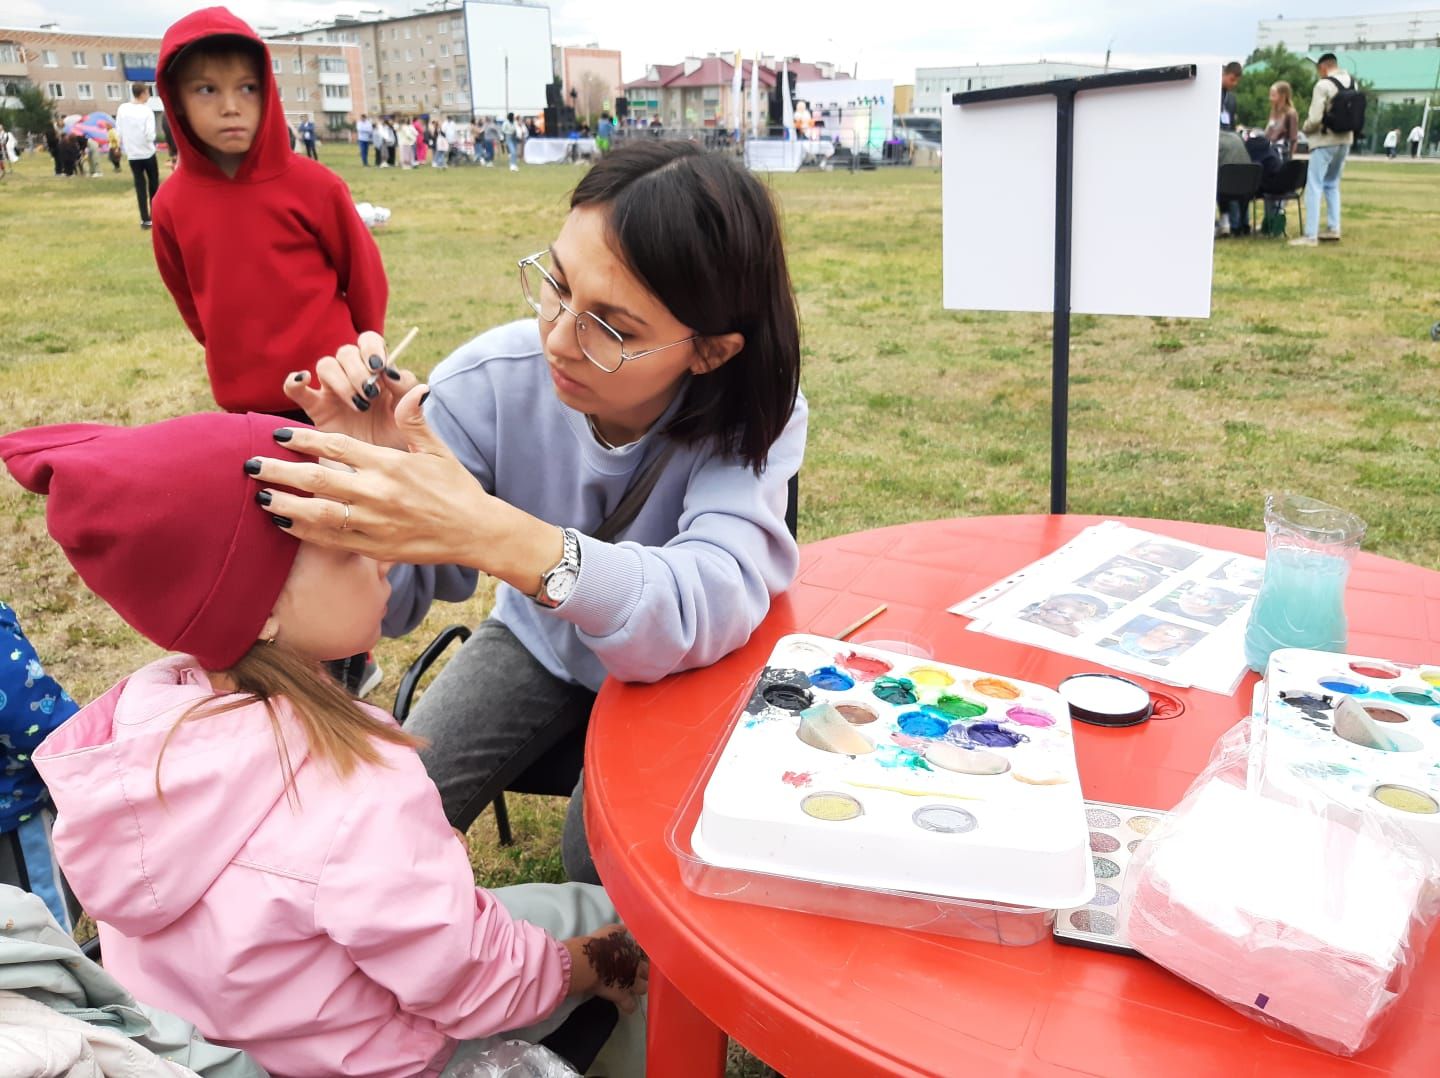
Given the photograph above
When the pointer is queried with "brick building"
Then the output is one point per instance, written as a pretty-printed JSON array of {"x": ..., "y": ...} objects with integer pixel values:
[{"x": 84, "y": 73}]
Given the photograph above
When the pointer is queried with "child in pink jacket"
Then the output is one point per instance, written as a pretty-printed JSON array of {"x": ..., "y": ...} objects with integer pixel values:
[{"x": 264, "y": 854}]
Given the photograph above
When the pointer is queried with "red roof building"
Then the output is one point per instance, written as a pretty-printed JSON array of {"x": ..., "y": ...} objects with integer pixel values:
[{"x": 696, "y": 93}]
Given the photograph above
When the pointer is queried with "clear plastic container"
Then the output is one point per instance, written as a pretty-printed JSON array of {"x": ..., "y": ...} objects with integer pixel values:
[{"x": 987, "y": 922}]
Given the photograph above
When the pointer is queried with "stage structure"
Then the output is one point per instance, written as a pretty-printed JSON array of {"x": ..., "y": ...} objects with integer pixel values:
[{"x": 508, "y": 52}]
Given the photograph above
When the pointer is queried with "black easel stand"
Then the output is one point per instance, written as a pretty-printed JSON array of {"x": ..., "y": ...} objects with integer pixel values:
[{"x": 1064, "y": 91}]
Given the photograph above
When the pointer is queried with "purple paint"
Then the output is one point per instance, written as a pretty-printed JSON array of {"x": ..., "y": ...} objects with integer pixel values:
[
  {"x": 1029, "y": 716},
  {"x": 994, "y": 736}
]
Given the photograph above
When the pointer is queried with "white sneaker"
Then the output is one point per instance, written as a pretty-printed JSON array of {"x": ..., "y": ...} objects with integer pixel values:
[
  {"x": 1305, "y": 241},
  {"x": 514, "y": 168},
  {"x": 1329, "y": 237},
  {"x": 371, "y": 678}
]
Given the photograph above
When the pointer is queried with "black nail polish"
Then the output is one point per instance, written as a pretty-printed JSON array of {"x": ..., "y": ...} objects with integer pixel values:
[
  {"x": 282, "y": 522},
  {"x": 252, "y": 466},
  {"x": 299, "y": 376},
  {"x": 424, "y": 397},
  {"x": 372, "y": 390},
  {"x": 360, "y": 403},
  {"x": 263, "y": 497},
  {"x": 392, "y": 374},
  {"x": 376, "y": 363},
  {"x": 283, "y": 434}
]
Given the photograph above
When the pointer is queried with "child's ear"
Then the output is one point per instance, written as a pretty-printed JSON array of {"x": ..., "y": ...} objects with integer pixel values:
[{"x": 270, "y": 630}]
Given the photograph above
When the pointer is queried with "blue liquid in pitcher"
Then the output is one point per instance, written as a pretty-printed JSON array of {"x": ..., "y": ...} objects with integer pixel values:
[{"x": 1301, "y": 605}]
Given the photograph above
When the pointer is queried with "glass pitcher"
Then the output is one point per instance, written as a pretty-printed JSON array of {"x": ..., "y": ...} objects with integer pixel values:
[{"x": 1308, "y": 550}]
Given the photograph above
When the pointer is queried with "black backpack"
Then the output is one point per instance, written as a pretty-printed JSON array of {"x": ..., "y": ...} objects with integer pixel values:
[{"x": 1346, "y": 111}]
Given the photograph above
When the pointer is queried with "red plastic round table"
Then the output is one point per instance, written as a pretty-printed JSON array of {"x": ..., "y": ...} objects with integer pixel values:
[{"x": 811, "y": 995}]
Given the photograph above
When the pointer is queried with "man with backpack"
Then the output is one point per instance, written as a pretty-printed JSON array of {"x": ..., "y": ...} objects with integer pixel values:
[{"x": 1337, "y": 116}]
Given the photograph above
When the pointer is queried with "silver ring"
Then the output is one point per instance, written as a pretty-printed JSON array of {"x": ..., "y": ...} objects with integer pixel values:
[{"x": 345, "y": 524}]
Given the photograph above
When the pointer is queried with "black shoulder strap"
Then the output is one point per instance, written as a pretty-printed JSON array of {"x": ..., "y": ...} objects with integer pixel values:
[{"x": 625, "y": 511}]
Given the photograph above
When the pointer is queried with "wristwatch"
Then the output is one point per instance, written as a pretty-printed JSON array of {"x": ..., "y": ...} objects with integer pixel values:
[{"x": 557, "y": 584}]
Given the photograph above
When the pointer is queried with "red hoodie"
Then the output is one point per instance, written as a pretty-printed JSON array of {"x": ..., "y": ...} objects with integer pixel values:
[{"x": 271, "y": 270}]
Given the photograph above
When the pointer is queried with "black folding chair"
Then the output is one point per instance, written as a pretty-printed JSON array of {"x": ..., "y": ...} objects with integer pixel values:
[
  {"x": 1238, "y": 183},
  {"x": 555, "y": 773},
  {"x": 1288, "y": 186}
]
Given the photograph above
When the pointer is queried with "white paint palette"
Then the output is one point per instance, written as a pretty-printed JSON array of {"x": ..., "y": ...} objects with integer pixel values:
[
  {"x": 864, "y": 768},
  {"x": 1364, "y": 731}
]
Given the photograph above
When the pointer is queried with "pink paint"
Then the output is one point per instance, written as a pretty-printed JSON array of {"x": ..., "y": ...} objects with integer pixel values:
[
  {"x": 905, "y": 741},
  {"x": 863, "y": 666},
  {"x": 1028, "y": 716},
  {"x": 797, "y": 779}
]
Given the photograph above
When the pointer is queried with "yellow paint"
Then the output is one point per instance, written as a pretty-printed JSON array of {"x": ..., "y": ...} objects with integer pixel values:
[
  {"x": 832, "y": 807},
  {"x": 908, "y": 792},
  {"x": 997, "y": 688},
  {"x": 1431, "y": 676},
  {"x": 1404, "y": 799},
  {"x": 930, "y": 676}
]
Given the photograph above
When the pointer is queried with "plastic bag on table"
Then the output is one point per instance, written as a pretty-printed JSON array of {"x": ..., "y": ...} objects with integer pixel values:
[
  {"x": 1302, "y": 913},
  {"x": 499, "y": 1058}
]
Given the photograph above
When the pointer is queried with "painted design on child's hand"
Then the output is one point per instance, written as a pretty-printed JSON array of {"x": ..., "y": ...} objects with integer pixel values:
[{"x": 615, "y": 959}]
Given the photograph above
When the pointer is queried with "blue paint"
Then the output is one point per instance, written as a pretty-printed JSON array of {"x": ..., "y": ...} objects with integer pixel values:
[
  {"x": 922, "y": 724},
  {"x": 994, "y": 736},
  {"x": 1350, "y": 688},
  {"x": 831, "y": 679},
  {"x": 895, "y": 756}
]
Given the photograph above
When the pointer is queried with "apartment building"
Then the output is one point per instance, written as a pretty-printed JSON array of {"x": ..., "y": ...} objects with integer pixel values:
[
  {"x": 936, "y": 87},
  {"x": 84, "y": 73},
  {"x": 697, "y": 92},
  {"x": 1351, "y": 33},
  {"x": 408, "y": 64}
]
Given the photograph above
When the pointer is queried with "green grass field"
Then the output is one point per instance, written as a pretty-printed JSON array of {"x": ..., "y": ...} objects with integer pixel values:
[{"x": 1315, "y": 373}]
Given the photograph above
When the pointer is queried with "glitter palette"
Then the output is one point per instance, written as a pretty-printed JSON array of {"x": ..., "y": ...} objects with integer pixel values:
[
  {"x": 1365, "y": 731},
  {"x": 860, "y": 767},
  {"x": 1116, "y": 831}
]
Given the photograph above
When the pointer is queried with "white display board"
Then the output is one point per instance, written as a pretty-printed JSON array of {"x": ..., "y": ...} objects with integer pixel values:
[
  {"x": 1145, "y": 164},
  {"x": 508, "y": 54}
]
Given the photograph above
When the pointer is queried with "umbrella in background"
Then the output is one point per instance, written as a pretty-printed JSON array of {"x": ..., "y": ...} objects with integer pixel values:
[{"x": 97, "y": 126}]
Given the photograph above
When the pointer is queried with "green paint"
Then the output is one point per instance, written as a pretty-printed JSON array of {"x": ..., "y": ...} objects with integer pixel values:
[
  {"x": 895, "y": 690},
  {"x": 957, "y": 707}
]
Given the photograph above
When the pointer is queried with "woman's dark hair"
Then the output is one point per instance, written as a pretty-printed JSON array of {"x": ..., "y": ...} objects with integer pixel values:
[{"x": 702, "y": 234}]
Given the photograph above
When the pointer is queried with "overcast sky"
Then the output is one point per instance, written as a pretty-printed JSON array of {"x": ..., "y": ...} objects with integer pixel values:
[{"x": 885, "y": 40}]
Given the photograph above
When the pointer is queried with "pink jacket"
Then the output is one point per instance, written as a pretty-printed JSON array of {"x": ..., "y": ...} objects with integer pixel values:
[{"x": 342, "y": 937}]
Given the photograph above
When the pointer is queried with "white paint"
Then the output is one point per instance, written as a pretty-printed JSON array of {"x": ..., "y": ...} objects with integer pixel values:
[
  {"x": 1104, "y": 694},
  {"x": 1145, "y": 161}
]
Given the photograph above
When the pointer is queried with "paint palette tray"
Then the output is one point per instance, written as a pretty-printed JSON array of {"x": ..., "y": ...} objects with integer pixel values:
[
  {"x": 1116, "y": 832},
  {"x": 876, "y": 771},
  {"x": 1364, "y": 731}
]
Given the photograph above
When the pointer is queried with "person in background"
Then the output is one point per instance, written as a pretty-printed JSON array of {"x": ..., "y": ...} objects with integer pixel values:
[
  {"x": 1229, "y": 106},
  {"x": 1417, "y": 136},
  {"x": 509, "y": 130},
  {"x": 406, "y": 134},
  {"x": 307, "y": 136},
  {"x": 52, "y": 147},
  {"x": 491, "y": 134},
  {"x": 1392, "y": 142},
  {"x": 1283, "y": 128},
  {"x": 422, "y": 141},
  {"x": 442, "y": 145},
  {"x": 32, "y": 705},
  {"x": 365, "y": 135},
  {"x": 1232, "y": 212},
  {"x": 92, "y": 157},
  {"x": 603, "y": 132},
  {"x": 385, "y": 149},
  {"x": 1328, "y": 150},
  {"x": 112, "y": 141},
  {"x": 452, "y": 138}
]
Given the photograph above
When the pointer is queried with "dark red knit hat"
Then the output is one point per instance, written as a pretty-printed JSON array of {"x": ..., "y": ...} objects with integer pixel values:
[{"x": 161, "y": 522}]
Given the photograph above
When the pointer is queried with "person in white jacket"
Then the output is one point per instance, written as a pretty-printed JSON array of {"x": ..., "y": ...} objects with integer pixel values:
[{"x": 135, "y": 120}]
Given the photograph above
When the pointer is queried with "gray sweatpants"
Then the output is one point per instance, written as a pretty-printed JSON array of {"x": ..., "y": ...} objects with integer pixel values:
[
  {"x": 565, "y": 910},
  {"x": 491, "y": 713}
]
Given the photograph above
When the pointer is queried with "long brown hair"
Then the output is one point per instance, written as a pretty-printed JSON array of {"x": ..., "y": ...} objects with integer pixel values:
[
  {"x": 1286, "y": 102},
  {"x": 339, "y": 731}
]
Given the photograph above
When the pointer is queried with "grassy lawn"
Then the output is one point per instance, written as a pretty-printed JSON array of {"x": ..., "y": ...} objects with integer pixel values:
[{"x": 1315, "y": 373}]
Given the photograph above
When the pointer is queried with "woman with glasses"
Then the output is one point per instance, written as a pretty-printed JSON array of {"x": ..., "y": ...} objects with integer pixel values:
[{"x": 619, "y": 462}]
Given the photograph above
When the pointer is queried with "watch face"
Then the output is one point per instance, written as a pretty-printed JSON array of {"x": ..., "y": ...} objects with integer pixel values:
[{"x": 560, "y": 585}]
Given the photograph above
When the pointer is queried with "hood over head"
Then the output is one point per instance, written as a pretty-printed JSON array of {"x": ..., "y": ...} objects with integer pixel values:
[
  {"x": 270, "y": 153},
  {"x": 100, "y": 768}
]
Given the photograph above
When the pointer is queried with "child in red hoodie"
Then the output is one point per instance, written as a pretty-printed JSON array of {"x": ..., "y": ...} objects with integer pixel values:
[{"x": 262, "y": 249}]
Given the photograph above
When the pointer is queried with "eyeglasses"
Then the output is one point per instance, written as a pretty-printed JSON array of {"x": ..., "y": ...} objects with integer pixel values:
[{"x": 602, "y": 345}]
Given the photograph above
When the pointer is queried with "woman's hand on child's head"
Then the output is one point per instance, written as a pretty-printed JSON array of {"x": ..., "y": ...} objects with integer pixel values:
[
  {"x": 354, "y": 392},
  {"x": 609, "y": 963},
  {"x": 417, "y": 505}
]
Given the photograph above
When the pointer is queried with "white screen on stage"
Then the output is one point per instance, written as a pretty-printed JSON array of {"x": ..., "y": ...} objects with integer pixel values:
[
  {"x": 1142, "y": 235},
  {"x": 519, "y": 33}
]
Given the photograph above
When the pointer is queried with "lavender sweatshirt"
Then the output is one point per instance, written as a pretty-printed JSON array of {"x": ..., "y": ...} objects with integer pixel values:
[{"x": 692, "y": 576}]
